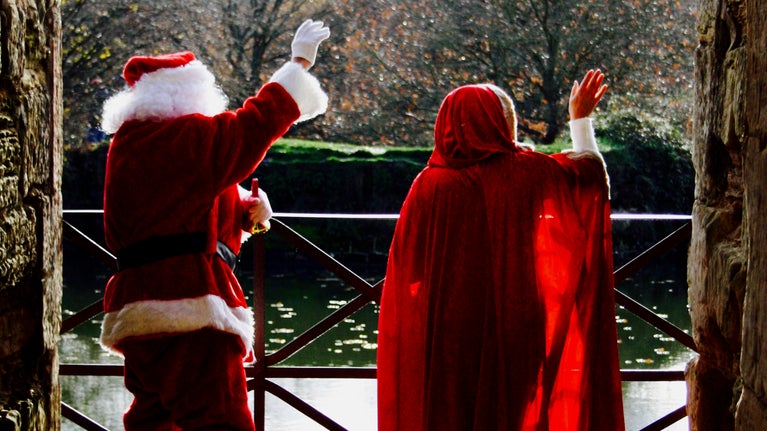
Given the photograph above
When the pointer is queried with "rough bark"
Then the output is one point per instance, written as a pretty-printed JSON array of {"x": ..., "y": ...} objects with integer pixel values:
[
  {"x": 30, "y": 214},
  {"x": 751, "y": 413},
  {"x": 727, "y": 267},
  {"x": 718, "y": 260}
]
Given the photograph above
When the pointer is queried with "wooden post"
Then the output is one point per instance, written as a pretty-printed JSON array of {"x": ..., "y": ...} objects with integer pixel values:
[{"x": 259, "y": 388}]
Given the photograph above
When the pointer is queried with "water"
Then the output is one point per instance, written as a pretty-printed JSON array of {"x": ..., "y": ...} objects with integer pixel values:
[{"x": 293, "y": 304}]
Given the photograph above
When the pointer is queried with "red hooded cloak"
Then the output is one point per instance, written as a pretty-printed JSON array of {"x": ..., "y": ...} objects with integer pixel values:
[{"x": 498, "y": 308}]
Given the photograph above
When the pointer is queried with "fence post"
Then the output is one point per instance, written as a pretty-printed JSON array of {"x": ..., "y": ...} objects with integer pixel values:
[{"x": 259, "y": 341}]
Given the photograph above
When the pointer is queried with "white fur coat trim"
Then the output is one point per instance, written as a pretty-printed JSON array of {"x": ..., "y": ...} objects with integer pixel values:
[
  {"x": 304, "y": 88},
  {"x": 176, "y": 316}
]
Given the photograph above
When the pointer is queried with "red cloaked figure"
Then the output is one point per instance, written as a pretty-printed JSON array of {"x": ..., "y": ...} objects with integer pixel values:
[{"x": 498, "y": 308}]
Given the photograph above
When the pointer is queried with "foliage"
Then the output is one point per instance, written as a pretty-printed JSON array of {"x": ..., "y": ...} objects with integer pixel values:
[
  {"x": 409, "y": 55},
  {"x": 651, "y": 171},
  {"x": 649, "y": 164},
  {"x": 389, "y": 63},
  {"x": 257, "y": 38},
  {"x": 98, "y": 36}
]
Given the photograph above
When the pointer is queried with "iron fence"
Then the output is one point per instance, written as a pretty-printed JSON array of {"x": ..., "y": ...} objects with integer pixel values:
[{"x": 268, "y": 366}]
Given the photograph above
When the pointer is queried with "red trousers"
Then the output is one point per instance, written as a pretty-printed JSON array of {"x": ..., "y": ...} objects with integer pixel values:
[{"x": 193, "y": 381}]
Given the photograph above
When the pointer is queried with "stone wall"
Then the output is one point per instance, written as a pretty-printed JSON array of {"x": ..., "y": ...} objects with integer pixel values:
[
  {"x": 751, "y": 414},
  {"x": 727, "y": 382},
  {"x": 30, "y": 214}
]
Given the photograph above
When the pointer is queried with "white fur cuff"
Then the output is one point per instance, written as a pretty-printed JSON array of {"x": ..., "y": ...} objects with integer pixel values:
[
  {"x": 304, "y": 88},
  {"x": 582, "y": 134},
  {"x": 176, "y": 316}
]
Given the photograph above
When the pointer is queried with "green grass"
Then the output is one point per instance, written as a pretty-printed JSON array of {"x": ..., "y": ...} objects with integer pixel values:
[
  {"x": 341, "y": 152},
  {"x": 346, "y": 151}
]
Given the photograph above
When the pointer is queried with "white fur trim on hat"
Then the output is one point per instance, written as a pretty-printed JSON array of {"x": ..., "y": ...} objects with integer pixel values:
[
  {"x": 154, "y": 317},
  {"x": 304, "y": 88},
  {"x": 164, "y": 94}
]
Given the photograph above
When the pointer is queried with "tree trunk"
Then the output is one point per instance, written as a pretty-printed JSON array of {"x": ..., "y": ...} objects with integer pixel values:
[
  {"x": 727, "y": 267},
  {"x": 30, "y": 214}
]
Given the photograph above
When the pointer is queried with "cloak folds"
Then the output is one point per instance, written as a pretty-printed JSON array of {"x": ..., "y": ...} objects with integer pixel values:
[{"x": 498, "y": 309}]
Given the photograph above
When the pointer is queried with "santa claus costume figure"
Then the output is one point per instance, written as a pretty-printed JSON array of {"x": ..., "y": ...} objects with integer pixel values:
[
  {"x": 497, "y": 311},
  {"x": 174, "y": 215}
]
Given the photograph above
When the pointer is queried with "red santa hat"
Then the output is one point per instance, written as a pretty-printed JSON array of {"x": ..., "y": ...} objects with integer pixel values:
[{"x": 137, "y": 66}]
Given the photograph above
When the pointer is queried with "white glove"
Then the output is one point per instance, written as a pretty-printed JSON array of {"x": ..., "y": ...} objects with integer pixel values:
[
  {"x": 258, "y": 212},
  {"x": 308, "y": 38}
]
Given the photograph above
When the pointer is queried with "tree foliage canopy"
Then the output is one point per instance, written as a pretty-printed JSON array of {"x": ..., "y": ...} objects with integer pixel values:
[{"x": 389, "y": 63}]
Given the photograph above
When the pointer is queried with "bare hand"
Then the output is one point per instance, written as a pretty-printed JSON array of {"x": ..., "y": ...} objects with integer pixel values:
[
  {"x": 306, "y": 64},
  {"x": 585, "y": 96},
  {"x": 257, "y": 212}
]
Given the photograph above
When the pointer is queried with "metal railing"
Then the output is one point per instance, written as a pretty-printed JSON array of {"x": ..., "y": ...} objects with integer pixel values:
[{"x": 267, "y": 366}]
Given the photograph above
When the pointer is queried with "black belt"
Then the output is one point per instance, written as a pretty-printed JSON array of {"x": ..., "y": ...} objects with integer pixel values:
[{"x": 157, "y": 248}]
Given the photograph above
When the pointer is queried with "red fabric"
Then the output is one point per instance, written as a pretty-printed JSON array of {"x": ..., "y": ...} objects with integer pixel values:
[
  {"x": 168, "y": 376},
  {"x": 498, "y": 307},
  {"x": 178, "y": 176},
  {"x": 137, "y": 66},
  {"x": 472, "y": 127}
]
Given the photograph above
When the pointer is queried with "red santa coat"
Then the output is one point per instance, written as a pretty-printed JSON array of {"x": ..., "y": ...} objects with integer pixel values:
[
  {"x": 177, "y": 176},
  {"x": 497, "y": 310}
]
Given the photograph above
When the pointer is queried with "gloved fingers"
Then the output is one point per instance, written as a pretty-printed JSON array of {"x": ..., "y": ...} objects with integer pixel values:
[{"x": 307, "y": 39}]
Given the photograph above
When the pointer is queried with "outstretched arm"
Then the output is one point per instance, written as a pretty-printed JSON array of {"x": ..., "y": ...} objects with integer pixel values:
[{"x": 584, "y": 97}]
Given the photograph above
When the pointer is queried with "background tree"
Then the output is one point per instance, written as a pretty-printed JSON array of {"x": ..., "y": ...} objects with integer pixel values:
[
  {"x": 535, "y": 49},
  {"x": 389, "y": 63},
  {"x": 100, "y": 35},
  {"x": 257, "y": 39},
  {"x": 240, "y": 41}
]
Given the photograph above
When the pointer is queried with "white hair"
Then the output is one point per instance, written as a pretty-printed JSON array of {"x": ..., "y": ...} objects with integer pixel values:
[
  {"x": 508, "y": 108},
  {"x": 164, "y": 94}
]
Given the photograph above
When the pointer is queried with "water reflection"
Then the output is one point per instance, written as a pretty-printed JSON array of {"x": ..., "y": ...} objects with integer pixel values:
[{"x": 295, "y": 304}]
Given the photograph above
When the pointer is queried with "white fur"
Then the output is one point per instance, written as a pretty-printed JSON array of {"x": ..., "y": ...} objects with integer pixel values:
[
  {"x": 304, "y": 88},
  {"x": 166, "y": 93},
  {"x": 176, "y": 316}
]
